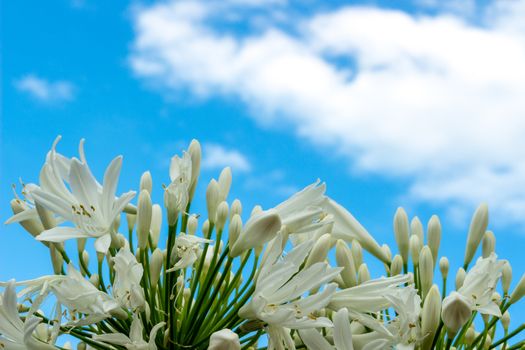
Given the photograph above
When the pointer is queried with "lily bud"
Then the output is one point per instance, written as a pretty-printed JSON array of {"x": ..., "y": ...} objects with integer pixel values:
[
  {"x": 258, "y": 230},
  {"x": 156, "y": 262},
  {"x": 206, "y": 228},
  {"x": 144, "y": 213},
  {"x": 401, "y": 232},
  {"x": 225, "y": 182},
  {"x": 477, "y": 229},
  {"x": 81, "y": 346},
  {"x": 506, "y": 277},
  {"x": 470, "y": 335},
  {"x": 434, "y": 236},
  {"x": 146, "y": 183},
  {"x": 131, "y": 220},
  {"x": 195, "y": 153},
  {"x": 33, "y": 226},
  {"x": 444, "y": 266},
  {"x": 363, "y": 274},
  {"x": 397, "y": 265},
  {"x": 256, "y": 210},
  {"x": 212, "y": 199},
  {"x": 236, "y": 208},
  {"x": 430, "y": 317},
  {"x": 222, "y": 215},
  {"x": 81, "y": 244},
  {"x": 455, "y": 312},
  {"x": 416, "y": 228},
  {"x": 156, "y": 224},
  {"x": 319, "y": 250},
  {"x": 234, "y": 230},
  {"x": 505, "y": 321},
  {"x": 343, "y": 256},
  {"x": 388, "y": 253},
  {"x": 56, "y": 259},
  {"x": 85, "y": 259},
  {"x": 460, "y": 277},
  {"x": 192, "y": 224},
  {"x": 426, "y": 270},
  {"x": 519, "y": 291},
  {"x": 487, "y": 343},
  {"x": 224, "y": 339},
  {"x": 415, "y": 247},
  {"x": 357, "y": 252},
  {"x": 488, "y": 244}
]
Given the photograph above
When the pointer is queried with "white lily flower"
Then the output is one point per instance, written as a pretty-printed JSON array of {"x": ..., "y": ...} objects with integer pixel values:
[
  {"x": 135, "y": 340},
  {"x": 177, "y": 194},
  {"x": 16, "y": 334},
  {"x": 128, "y": 274},
  {"x": 342, "y": 335},
  {"x": 480, "y": 283},
  {"x": 93, "y": 212},
  {"x": 302, "y": 212},
  {"x": 187, "y": 249},
  {"x": 370, "y": 296},
  {"x": 276, "y": 299},
  {"x": 77, "y": 294}
]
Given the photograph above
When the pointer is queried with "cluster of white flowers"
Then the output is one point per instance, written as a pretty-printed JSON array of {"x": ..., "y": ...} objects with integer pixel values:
[{"x": 295, "y": 272}]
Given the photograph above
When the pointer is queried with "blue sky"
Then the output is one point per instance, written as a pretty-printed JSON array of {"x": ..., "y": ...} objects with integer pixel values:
[{"x": 416, "y": 105}]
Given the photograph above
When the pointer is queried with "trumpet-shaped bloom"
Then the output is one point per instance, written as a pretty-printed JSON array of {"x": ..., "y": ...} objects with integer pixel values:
[
  {"x": 277, "y": 299},
  {"x": 187, "y": 250},
  {"x": 177, "y": 194},
  {"x": 90, "y": 210},
  {"x": 16, "y": 334},
  {"x": 135, "y": 340},
  {"x": 128, "y": 274}
]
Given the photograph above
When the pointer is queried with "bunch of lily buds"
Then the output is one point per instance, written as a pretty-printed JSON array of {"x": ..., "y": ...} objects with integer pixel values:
[{"x": 287, "y": 277}]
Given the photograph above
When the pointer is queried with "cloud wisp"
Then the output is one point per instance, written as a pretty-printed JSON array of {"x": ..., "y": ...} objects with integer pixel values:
[
  {"x": 217, "y": 156},
  {"x": 433, "y": 99},
  {"x": 44, "y": 90}
]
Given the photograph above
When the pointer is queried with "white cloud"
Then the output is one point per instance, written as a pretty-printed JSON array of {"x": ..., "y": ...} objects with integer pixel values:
[
  {"x": 45, "y": 90},
  {"x": 216, "y": 156},
  {"x": 434, "y": 99}
]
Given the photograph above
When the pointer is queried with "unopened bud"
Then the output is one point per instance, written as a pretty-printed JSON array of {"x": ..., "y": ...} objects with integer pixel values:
[
  {"x": 416, "y": 228},
  {"x": 222, "y": 215},
  {"x": 192, "y": 224},
  {"x": 363, "y": 274},
  {"x": 212, "y": 199},
  {"x": 470, "y": 335},
  {"x": 488, "y": 244},
  {"x": 33, "y": 226},
  {"x": 224, "y": 339},
  {"x": 81, "y": 244},
  {"x": 388, "y": 253},
  {"x": 401, "y": 232},
  {"x": 146, "y": 183},
  {"x": 144, "y": 213},
  {"x": 519, "y": 291},
  {"x": 94, "y": 279},
  {"x": 195, "y": 153},
  {"x": 319, "y": 250},
  {"x": 426, "y": 270},
  {"x": 225, "y": 182},
  {"x": 397, "y": 265},
  {"x": 56, "y": 259},
  {"x": 156, "y": 262},
  {"x": 506, "y": 278},
  {"x": 357, "y": 252},
  {"x": 234, "y": 229},
  {"x": 156, "y": 224},
  {"x": 81, "y": 346},
  {"x": 477, "y": 229},
  {"x": 444, "y": 266},
  {"x": 430, "y": 317},
  {"x": 505, "y": 320},
  {"x": 85, "y": 259},
  {"x": 256, "y": 210},
  {"x": 434, "y": 236},
  {"x": 206, "y": 229},
  {"x": 343, "y": 256},
  {"x": 131, "y": 220},
  {"x": 415, "y": 247},
  {"x": 258, "y": 230},
  {"x": 236, "y": 208},
  {"x": 455, "y": 312},
  {"x": 460, "y": 278}
]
